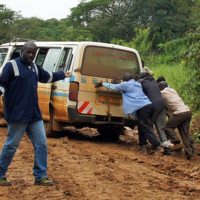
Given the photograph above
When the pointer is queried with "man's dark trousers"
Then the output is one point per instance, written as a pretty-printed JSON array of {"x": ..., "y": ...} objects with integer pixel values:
[
  {"x": 145, "y": 126},
  {"x": 182, "y": 122}
]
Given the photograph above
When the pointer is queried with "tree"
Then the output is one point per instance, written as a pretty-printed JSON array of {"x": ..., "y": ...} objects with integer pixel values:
[
  {"x": 6, "y": 21},
  {"x": 99, "y": 16},
  {"x": 108, "y": 19},
  {"x": 191, "y": 59},
  {"x": 29, "y": 28}
]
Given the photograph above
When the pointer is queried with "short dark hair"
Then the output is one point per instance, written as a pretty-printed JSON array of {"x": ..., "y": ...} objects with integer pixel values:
[
  {"x": 163, "y": 85},
  {"x": 127, "y": 77},
  {"x": 143, "y": 75},
  {"x": 160, "y": 78},
  {"x": 29, "y": 43}
]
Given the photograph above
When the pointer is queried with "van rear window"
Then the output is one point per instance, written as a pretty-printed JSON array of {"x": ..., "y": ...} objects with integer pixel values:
[{"x": 108, "y": 62}]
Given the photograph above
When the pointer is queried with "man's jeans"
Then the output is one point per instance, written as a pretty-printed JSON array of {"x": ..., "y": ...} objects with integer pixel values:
[{"x": 36, "y": 133}]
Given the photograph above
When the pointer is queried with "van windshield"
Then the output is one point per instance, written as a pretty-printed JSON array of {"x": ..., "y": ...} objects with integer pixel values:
[
  {"x": 3, "y": 53},
  {"x": 108, "y": 62}
]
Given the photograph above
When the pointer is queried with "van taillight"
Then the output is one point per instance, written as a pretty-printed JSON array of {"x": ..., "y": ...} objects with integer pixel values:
[{"x": 73, "y": 91}]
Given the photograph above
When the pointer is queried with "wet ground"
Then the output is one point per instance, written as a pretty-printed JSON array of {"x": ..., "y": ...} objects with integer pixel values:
[{"x": 102, "y": 168}]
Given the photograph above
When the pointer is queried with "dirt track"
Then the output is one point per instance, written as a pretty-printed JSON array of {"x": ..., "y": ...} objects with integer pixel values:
[{"x": 83, "y": 168}]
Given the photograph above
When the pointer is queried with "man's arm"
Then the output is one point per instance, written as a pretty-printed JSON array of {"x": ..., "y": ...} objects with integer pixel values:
[
  {"x": 119, "y": 87},
  {"x": 50, "y": 77},
  {"x": 108, "y": 86},
  {"x": 5, "y": 78}
]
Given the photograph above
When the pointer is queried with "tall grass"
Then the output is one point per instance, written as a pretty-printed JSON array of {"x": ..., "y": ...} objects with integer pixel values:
[{"x": 176, "y": 76}]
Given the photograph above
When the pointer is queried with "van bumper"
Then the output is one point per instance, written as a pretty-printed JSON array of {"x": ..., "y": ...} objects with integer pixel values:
[{"x": 76, "y": 117}]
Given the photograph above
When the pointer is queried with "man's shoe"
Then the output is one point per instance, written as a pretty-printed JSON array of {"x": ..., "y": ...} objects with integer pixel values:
[
  {"x": 155, "y": 150},
  {"x": 177, "y": 147},
  {"x": 167, "y": 151},
  {"x": 44, "y": 181},
  {"x": 158, "y": 149},
  {"x": 193, "y": 158},
  {"x": 144, "y": 149},
  {"x": 4, "y": 182}
]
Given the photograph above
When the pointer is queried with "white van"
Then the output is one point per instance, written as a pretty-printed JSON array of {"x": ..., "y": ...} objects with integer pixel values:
[{"x": 76, "y": 101}]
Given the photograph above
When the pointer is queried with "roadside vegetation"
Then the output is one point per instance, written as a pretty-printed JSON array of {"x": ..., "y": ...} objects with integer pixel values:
[{"x": 166, "y": 33}]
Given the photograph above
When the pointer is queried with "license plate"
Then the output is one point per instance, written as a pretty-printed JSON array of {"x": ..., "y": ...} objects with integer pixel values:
[{"x": 115, "y": 100}]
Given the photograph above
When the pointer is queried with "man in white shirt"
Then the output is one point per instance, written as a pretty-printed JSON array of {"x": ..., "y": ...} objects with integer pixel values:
[{"x": 180, "y": 117}]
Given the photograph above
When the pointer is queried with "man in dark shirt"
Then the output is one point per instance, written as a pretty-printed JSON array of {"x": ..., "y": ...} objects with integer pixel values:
[
  {"x": 152, "y": 91},
  {"x": 19, "y": 83}
]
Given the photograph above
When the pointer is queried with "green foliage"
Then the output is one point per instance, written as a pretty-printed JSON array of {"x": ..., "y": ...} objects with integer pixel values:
[
  {"x": 28, "y": 28},
  {"x": 195, "y": 126},
  {"x": 6, "y": 21},
  {"x": 172, "y": 50},
  {"x": 191, "y": 59},
  {"x": 140, "y": 42},
  {"x": 174, "y": 74},
  {"x": 120, "y": 19},
  {"x": 196, "y": 137}
]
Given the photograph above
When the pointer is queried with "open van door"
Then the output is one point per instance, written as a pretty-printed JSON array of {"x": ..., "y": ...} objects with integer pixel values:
[
  {"x": 47, "y": 58},
  {"x": 60, "y": 89}
]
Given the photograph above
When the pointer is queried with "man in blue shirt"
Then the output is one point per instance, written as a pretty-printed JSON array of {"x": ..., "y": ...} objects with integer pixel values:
[
  {"x": 19, "y": 83},
  {"x": 134, "y": 100}
]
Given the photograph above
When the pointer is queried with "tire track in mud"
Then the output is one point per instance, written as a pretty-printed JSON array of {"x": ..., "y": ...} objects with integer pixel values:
[
  {"x": 132, "y": 169},
  {"x": 85, "y": 169}
]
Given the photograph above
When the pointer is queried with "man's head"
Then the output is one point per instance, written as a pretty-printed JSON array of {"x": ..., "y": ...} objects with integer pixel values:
[
  {"x": 28, "y": 52},
  {"x": 143, "y": 75},
  {"x": 160, "y": 78},
  {"x": 162, "y": 85},
  {"x": 127, "y": 77}
]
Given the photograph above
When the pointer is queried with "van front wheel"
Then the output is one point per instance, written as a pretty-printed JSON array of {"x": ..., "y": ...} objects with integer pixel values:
[{"x": 48, "y": 129}]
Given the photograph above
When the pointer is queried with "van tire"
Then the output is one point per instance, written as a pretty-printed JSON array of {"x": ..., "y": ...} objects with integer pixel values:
[
  {"x": 48, "y": 129},
  {"x": 110, "y": 132},
  {"x": 49, "y": 126}
]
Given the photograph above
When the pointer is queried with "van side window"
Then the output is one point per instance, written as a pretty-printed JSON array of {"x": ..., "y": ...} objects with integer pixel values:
[
  {"x": 47, "y": 58},
  {"x": 3, "y": 53},
  {"x": 41, "y": 57},
  {"x": 65, "y": 60},
  {"x": 16, "y": 53}
]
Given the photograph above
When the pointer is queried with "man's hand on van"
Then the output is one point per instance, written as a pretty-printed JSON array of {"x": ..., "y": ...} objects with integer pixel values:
[
  {"x": 99, "y": 84},
  {"x": 68, "y": 74}
]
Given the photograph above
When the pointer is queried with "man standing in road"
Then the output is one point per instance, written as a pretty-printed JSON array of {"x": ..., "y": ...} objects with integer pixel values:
[
  {"x": 180, "y": 117},
  {"x": 19, "y": 83}
]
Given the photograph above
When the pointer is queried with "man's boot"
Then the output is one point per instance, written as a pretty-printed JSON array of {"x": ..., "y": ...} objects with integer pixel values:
[
  {"x": 4, "y": 182},
  {"x": 144, "y": 149},
  {"x": 167, "y": 151}
]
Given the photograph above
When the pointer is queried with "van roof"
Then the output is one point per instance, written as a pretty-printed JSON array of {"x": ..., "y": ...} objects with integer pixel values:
[
  {"x": 81, "y": 43},
  {"x": 41, "y": 43}
]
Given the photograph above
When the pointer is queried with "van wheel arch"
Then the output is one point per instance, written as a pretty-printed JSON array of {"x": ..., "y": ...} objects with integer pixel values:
[{"x": 48, "y": 125}]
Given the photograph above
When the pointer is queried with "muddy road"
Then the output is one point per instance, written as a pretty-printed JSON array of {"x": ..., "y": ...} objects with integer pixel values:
[{"x": 85, "y": 168}]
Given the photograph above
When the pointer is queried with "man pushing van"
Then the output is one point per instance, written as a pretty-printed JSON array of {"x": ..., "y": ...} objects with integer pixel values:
[
  {"x": 134, "y": 100},
  {"x": 18, "y": 83}
]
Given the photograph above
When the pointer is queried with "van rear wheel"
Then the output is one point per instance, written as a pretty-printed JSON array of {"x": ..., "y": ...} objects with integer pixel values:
[{"x": 113, "y": 133}]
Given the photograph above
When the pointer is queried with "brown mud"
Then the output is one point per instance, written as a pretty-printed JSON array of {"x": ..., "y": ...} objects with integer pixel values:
[{"x": 101, "y": 168}]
